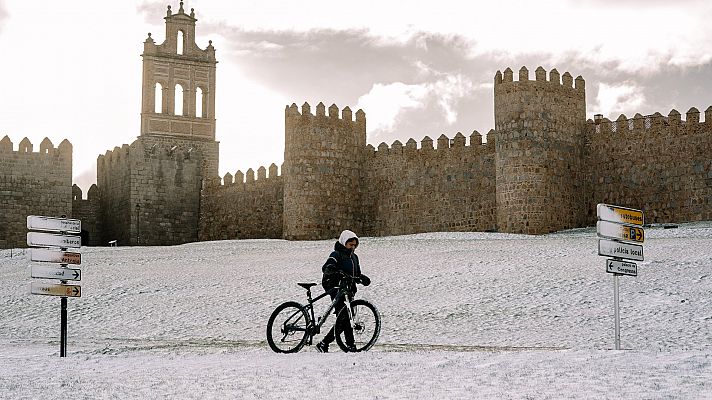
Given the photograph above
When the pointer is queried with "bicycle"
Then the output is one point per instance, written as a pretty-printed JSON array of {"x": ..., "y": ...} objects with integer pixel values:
[{"x": 293, "y": 325}]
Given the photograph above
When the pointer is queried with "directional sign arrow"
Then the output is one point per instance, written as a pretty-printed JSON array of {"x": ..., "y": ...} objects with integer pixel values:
[
  {"x": 623, "y": 232},
  {"x": 621, "y": 267},
  {"x": 619, "y": 214},
  {"x": 56, "y": 290},
  {"x": 55, "y": 256},
  {"x": 64, "y": 274},
  {"x": 51, "y": 224},
  {"x": 48, "y": 239}
]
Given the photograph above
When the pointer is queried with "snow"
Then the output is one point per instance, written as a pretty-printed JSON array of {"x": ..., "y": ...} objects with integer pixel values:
[{"x": 465, "y": 315}]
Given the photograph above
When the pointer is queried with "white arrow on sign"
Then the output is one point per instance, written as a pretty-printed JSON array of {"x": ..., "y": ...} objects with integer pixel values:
[
  {"x": 621, "y": 267},
  {"x": 65, "y": 274},
  {"x": 50, "y": 224},
  {"x": 48, "y": 239},
  {"x": 612, "y": 248},
  {"x": 56, "y": 256},
  {"x": 56, "y": 290},
  {"x": 621, "y": 232}
]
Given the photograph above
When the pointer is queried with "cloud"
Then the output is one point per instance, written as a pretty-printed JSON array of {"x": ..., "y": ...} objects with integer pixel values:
[
  {"x": 4, "y": 14},
  {"x": 388, "y": 101},
  {"x": 618, "y": 98}
]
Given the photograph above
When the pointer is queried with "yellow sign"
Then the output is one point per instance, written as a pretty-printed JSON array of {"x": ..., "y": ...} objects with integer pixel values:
[
  {"x": 56, "y": 290},
  {"x": 622, "y": 232},
  {"x": 621, "y": 215}
]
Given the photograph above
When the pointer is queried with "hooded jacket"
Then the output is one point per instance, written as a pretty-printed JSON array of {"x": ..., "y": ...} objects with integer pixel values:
[{"x": 341, "y": 260}]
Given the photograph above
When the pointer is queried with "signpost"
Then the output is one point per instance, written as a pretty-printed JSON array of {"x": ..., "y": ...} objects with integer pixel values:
[
  {"x": 59, "y": 228},
  {"x": 620, "y": 226},
  {"x": 622, "y": 232},
  {"x": 49, "y": 239},
  {"x": 612, "y": 248},
  {"x": 55, "y": 256},
  {"x": 56, "y": 290},
  {"x": 65, "y": 274},
  {"x": 621, "y": 267}
]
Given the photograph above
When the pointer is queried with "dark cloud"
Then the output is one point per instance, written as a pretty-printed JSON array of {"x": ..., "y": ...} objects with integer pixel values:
[{"x": 341, "y": 66}]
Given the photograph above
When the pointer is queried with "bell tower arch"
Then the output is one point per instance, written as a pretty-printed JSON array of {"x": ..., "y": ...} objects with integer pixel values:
[{"x": 178, "y": 70}]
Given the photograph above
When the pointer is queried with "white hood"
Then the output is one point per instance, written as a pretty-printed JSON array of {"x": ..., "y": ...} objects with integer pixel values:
[{"x": 345, "y": 236}]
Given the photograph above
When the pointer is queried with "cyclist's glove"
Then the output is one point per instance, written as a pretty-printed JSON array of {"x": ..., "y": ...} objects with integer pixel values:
[{"x": 365, "y": 281}]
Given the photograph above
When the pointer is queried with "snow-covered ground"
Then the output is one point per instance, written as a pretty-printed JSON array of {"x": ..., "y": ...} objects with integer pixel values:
[{"x": 465, "y": 315}]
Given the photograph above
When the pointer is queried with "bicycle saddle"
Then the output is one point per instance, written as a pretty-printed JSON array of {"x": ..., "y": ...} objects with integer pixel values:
[{"x": 306, "y": 285}]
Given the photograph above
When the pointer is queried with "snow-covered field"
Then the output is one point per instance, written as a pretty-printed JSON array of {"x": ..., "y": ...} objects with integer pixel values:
[{"x": 465, "y": 315}]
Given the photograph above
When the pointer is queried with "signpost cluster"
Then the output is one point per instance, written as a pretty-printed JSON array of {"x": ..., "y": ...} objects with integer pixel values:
[
  {"x": 56, "y": 236},
  {"x": 621, "y": 234}
]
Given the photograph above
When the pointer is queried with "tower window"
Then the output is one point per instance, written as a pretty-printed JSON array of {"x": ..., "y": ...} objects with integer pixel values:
[
  {"x": 158, "y": 96},
  {"x": 199, "y": 103},
  {"x": 178, "y": 109},
  {"x": 180, "y": 42}
]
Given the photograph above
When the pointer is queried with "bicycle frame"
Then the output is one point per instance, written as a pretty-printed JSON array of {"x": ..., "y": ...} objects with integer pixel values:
[{"x": 314, "y": 326}]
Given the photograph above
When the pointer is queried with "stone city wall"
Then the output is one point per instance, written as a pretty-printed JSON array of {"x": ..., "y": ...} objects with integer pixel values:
[
  {"x": 659, "y": 164},
  {"x": 88, "y": 211},
  {"x": 448, "y": 188},
  {"x": 32, "y": 183},
  {"x": 244, "y": 207},
  {"x": 150, "y": 191},
  {"x": 114, "y": 181}
]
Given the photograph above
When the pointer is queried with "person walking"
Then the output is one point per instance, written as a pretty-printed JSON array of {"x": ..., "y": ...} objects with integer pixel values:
[{"x": 342, "y": 261}]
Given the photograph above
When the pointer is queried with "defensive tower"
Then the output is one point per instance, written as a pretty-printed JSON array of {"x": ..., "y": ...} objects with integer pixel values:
[
  {"x": 539, "y": 144},
  {"x": 323, "y": 169}
]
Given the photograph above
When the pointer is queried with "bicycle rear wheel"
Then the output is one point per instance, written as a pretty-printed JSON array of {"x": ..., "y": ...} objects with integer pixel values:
[
  {"x": 287, "y": 328},
  {"x": 367, "y": 326}
]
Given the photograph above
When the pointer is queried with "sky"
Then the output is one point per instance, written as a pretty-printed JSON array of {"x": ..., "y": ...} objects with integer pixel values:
[{"x": 73, "y": 69}]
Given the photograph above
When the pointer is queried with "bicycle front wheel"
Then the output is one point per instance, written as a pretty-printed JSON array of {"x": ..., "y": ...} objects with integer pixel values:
[
  {"x": 287, "y": 328},
  {"x": 367, "y": 326}
]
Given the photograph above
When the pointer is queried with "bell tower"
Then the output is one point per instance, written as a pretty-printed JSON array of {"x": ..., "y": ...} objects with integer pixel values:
[{"x": 178, "y": 82}]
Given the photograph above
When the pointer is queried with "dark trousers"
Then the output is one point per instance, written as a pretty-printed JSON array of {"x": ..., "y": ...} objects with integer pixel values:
[{"x": 342, "y": 324}]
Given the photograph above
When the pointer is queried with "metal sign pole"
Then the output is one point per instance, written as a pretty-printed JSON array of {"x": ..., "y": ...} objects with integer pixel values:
[
  {"x": 616, "y": 312},
  {"x": 63, "y": 329},
  {"x": 63, "y": 316}
]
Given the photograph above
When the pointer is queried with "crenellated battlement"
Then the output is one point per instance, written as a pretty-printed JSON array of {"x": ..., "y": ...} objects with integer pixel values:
[
  {"x": 458, "y": 143},
  {"x": 241, "y": 179},
  {"x": 650, "y": 124},
  {"x": 321, "y": 112},
  {"x": 32, "y": 183},
  {"x": 25, "y": 147},
  {"x": 555, "y": 79}
]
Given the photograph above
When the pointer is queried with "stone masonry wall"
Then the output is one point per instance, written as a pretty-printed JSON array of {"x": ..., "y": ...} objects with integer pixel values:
[
  {"x": 114, "y": 181},
  {"x": 539, "y": 125},
  {"x": 164, "y": 178},
  {"x": 244, "y": 208},
  {"x": 165, "y": 181},
  {"x": 411, "y": 190},
  {"x": 32, "y": 183},
  {"x": 659, "y": 164},
  {"x": 88, "y": 211},
  {"x": 323, "y": 171}
]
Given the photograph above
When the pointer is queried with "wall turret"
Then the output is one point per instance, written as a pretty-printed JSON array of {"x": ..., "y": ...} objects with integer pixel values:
[
  {"x": 323, "y": 168},
  {"x": 539, "y": 142}
]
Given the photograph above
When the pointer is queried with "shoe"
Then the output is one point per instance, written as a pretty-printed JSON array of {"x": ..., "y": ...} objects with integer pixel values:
[
  {"x": 322, "y": 347},
  {"x": 351, "y": 349}
]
